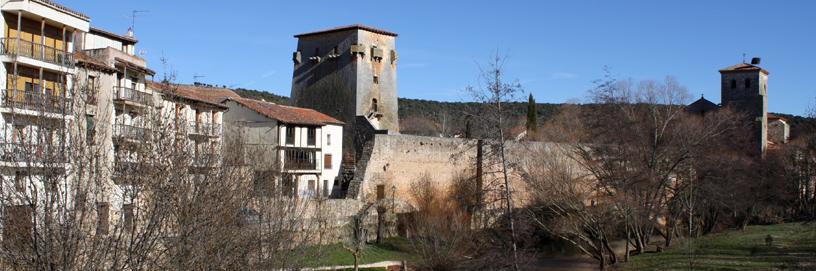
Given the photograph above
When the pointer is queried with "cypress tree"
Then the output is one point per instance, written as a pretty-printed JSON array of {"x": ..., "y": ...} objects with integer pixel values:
[{"x": 532, "y": 116}]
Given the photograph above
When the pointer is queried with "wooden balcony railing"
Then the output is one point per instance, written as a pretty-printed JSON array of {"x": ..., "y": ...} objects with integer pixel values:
[
  {"x": 131, "y": 132},
  {"x": 132, "y": 95},
  {"x": 205, "y": 129},
  {"x": 35, "y": 101},
  {"x": 33, "y": 152},
  {"x": 9, "y": 46}
]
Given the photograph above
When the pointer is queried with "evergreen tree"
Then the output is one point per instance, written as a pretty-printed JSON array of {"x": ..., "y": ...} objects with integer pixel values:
[{"x": 532, "y": 116}]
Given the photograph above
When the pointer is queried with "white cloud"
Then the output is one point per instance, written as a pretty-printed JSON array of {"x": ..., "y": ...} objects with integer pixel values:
[{"x": 269, "y": 74}]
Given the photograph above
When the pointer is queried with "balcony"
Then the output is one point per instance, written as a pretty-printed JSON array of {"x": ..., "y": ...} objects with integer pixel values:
[
  {"x": 126, "y": 172},
  {"x": 35, "y": 101},
  {"x": 130, "y": 132},
  {"x": 132, "y": 96},
  {"x": 297, "y": 159},
  {"x": 33, "y": 153},
  {"x": 14, "y": 47},
  {"x": 204, "y": 129}
]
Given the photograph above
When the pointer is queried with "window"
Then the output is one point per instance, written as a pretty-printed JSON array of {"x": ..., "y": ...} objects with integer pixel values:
[
  {"x": 374, "y": 107},
  {"x": 311, "y": 136},
  {"x": 90, "y": 132},
  {"x": 327, "y": 161},
  {"x": 733, "y": 83},
  {"x": 290, "y": 134},
  {"x": 317, "y": 51},
  {"x": 311, "y": 187},
  {"x": 747, "y": 83},
  {"x": 102, "y": 217},
  {"x": 328, "y": 140},
  {"x": 133, "y": 81},
  {"x": 20, "y": 181},
  {"x": 91, "y": 88},
  {"x": 376, "y": 79},
  {"x": 127, "y": 217},
  {"x": 18, "y": 225},
  {"x": 380, "y": 191}
]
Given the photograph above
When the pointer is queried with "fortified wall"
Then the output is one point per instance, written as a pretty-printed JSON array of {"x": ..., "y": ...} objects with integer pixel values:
[{"x": 397, "y": 161}]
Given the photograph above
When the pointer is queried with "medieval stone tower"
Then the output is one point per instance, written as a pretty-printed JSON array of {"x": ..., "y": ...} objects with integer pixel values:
[
  {"x": 744, "y": 87},
  {"x": 349, "y": 73}
]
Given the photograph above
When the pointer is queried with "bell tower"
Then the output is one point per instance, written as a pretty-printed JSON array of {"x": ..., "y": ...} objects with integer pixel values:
[{"x": 744, "y": 87}]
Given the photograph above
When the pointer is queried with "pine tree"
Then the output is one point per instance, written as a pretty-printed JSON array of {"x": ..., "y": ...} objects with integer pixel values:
[{"x": 532, "y": 116}]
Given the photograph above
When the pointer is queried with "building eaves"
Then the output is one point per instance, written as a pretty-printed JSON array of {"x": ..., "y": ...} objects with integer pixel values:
[
  {"x": 112, "y": 35},
  {"x": 348, "y": 27},
  {"x": 62, "y": 8},
  {"x": 135, "y": 66},
  {"x": 89, "y": 62},
  {"x": 744, "y": 67}
]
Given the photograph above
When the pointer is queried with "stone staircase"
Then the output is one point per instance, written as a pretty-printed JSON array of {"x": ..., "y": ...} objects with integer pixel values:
[{"x": 355, "y": 185}]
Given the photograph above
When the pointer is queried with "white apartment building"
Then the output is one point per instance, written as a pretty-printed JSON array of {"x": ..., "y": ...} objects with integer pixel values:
[
  {"x": 36, "y": 108},
  {"x": 303, "y": 145}
]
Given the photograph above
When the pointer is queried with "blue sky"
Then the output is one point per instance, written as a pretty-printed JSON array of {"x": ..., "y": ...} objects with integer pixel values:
[{"x": 555, "y": 48}]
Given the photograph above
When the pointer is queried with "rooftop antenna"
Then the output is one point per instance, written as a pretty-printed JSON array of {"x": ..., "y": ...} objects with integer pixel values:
[
  {"x": 133, "y": 17},
  {"x": 196, "y": 77},
  {"x": 743, "y": 58}
]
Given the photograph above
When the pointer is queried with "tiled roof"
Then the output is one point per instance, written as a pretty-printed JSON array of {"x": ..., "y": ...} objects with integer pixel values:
[
  {"x": 744, "y": 67},
  {"x": 84, "y": 60},
  {"x": 348, "y": 27},
  {"x": 109, "y": 34},
  {"x": 135, "y": 66},
  {"x": 772, "y": 116},
  {"x": 204, "y": 94},
  {"x": 287, "y": 114},
  {"x": 701, "y": 105}
]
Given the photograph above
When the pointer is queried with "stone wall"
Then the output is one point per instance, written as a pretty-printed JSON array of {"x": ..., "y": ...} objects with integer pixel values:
[{"x": 397, "y": 161}]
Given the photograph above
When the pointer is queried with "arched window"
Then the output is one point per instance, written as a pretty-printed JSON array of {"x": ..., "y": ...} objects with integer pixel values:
[
  {"x": 747, "y": 83},
  {"x": 733, "y": 83},
  {"x": 374, "y": 107}
]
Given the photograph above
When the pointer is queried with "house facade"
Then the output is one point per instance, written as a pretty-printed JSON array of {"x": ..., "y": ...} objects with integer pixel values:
[{"x": 293, "y": 151}]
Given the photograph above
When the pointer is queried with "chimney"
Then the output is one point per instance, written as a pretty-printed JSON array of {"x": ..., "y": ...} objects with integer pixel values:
[
  {"x": 130, "y": 32},
  {"x": 756, "y": 61}
]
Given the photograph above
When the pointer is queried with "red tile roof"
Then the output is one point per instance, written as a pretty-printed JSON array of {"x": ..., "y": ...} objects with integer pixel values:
[
  {"x": 84, "y": 60},
  {"x": 286, "y": 114},
  {"x": 744, "y": 67},
  {"x": 348, "y": 27},
  {"x": 204, "y": 94}
]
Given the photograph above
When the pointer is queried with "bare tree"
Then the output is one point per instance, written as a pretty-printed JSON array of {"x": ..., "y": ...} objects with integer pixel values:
[{"x": 495, "y": 92}]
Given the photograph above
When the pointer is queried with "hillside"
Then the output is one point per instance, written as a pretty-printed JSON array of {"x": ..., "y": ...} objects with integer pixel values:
[{"x": 432, "y": 118}]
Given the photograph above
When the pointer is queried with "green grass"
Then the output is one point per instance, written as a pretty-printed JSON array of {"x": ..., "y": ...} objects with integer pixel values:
[
  {"x": 793, "y": 248},
  {"x": 392, "y": 249}
]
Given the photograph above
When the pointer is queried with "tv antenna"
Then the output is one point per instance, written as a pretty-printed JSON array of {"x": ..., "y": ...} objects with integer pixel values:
[
  {"x": 743, "y": 58},
  {"x": 197, "y": 76},
  {"x": 133, "y": 17}
]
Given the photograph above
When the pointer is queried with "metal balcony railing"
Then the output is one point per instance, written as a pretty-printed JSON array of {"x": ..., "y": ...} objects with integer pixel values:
[
  {"x": 9, "y": 46},
  {"x": 131, "y": 132},
  {"x": 132, "y": 95},
  {"x": 203, "y": 128},
  {"x": 35, "y": 101},
  {"x": 33, "y": 152}
]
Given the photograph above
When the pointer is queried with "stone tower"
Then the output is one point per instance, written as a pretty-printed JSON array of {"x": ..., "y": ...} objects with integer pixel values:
[
  {"x": 744, "y": 87},
  {"x": 349, "y": 73}
]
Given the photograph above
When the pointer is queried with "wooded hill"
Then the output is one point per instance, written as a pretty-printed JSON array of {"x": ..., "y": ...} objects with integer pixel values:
[{"x": 435, "y": 118}]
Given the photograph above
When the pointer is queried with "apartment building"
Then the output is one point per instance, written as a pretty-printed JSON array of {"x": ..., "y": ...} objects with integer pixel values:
[
  {"x": 301, "y": 147},
  {"x": 196, "y": 114},
  {"x": 36, "y": 108}
]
